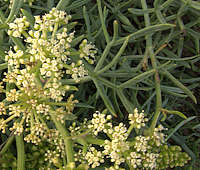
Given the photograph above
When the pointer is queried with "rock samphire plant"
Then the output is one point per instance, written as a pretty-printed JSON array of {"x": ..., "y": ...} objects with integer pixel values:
[{"x": 38, "y": 108}]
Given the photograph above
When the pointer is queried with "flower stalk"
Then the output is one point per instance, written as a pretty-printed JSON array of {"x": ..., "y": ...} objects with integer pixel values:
[
  {"x": 20, "y": 152},
  {"x": 68, "y": 142}
]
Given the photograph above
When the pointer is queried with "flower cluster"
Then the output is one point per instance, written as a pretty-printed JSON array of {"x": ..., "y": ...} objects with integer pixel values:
[
  {"x": 98, "y": 122},
  {"x": 35, "y": 72},
  {"x": 171, "y": 156},
  {"x": 139, "y": 152},
  {"x": 137, "y": 120},
  {"x": 87, "y": 51},
  {"x": 94, "y": 157},
  {"x": 18, "y": 27}
]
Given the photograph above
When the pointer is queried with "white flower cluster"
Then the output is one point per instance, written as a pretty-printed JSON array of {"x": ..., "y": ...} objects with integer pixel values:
[
  {"x": 142, "y": 155},
  {"x": 77, "y": 71},
  {"x": 37, "y": 133},
  {"x": 137, "y": 119},
  {"x": 141, "y": 143},
  {"x": 98, "y": 122},
  {"x": 54, "y": 138},
  {"x": 2, "y": 109},
  {"x": 48, "y": 21},
  {"x": 51, "y": 156},
  {"x": 37, "y": 71},
  {"x": 17, "y": 128},
  {"x": 117, "y": 145},
  {"x": 94, "y": 157},
  {"x": 18, "y": 26},
  {"x": 32, "y": 138},
  {"x": 49, "y": 54},
  {"x": 14, "y": 58},
  {"x": 158, "y": 136},
  {"x": 12, "y": 95},
  {"x": 3, "y": 125},
  {"x": 134, "y": 159},
  {"x": 149, "y": 160},
  {"x": 138, "y": 153},
  {"x": 15, "y": 110},
  {"x": 87, "y": 51}
]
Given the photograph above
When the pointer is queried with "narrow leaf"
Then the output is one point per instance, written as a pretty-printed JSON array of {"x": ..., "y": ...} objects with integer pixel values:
[
  {"x": 165, "y": 111},
  {"x": 29, "y": 17},
  {"x": 127, "y": 104},
  {"x": 180, "y": 85},
  {"x": 137, "y": 79},
  {"x": 62, "y": 4},
  {"x": 84, "y": 105},
  {"x": 14, "y": 10},
  {"x": 3, "y": 66},
  {"x": 70, "y": 116},
  {"x": 124, "y": 19},
  {"x": 77, "y": 40},
  {"x": 146, "y": 31},
  {"x": 18, "y": 42},
  {"x": 179, "y": 126},
  {"x": 195, "y": 5},
  {"x": 87, "y": 22},
  {"x": 104, "y": 97},
  {"x": 140, "y": 12}
]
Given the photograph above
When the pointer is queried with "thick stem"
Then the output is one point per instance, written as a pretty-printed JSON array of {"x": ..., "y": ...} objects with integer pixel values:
[
  {"x": 149, "y": 47},
  {"x": 20, "y": 152},
  {"x": 68, "y": 142}
]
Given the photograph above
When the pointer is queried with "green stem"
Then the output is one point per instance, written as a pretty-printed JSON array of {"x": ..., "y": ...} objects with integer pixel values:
[
  {"x": 20, "y": 153},
  {"x": 116, "y": 29},
  {"x": 55, "y": 103},
  {"x": 81, "y": 135},
  {"x": 130, "y": 129},
  {"x": 10, "y": 118},
  {"x": 149, "y": 47},
  {"x": 44, "y": 34},
  {"x": 54, "y": 30},
  {"x": 25, "y": 34},
  {"x": 95, "y": 141},
  {"x": 65, "y": 134},
  {"x": 72, "y": 81}
]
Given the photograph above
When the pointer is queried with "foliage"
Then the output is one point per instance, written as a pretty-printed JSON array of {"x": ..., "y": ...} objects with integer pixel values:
[{"x": 112, "y": 54}]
